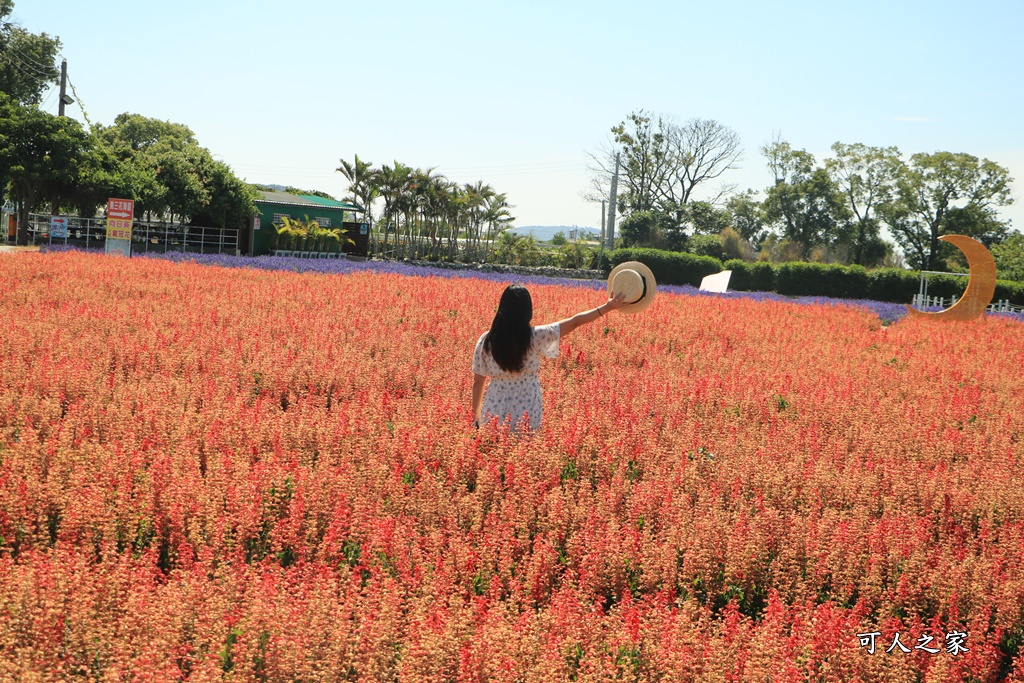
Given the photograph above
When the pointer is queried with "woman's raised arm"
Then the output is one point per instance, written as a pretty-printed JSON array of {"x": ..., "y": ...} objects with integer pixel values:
[{"x": 569, "y": 324}]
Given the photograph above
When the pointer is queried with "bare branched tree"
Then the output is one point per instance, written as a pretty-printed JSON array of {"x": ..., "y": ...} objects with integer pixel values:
[
  {"x": 700, "y": 150},
  {"x": 662, "y": 162}
]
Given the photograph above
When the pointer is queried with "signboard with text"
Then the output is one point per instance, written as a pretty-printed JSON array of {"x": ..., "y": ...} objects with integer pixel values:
[
  {"x": 58, "y": 227},
  {"x": 120, "y": 213}
]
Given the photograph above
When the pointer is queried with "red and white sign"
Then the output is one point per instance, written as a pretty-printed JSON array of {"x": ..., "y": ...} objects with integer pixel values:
[{"x": 120, "y": 213}]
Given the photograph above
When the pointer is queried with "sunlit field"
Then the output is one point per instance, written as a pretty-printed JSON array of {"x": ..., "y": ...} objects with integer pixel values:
[{"x": 212, "y": 474}]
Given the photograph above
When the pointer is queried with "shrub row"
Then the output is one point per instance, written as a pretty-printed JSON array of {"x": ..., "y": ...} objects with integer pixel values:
[
  {"x": 805, "y": 279},
  {"x": 669, "y": 267}
]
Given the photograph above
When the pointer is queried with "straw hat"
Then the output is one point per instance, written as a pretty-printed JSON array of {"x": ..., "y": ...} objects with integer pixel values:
[{"x": 636, "y": 282}]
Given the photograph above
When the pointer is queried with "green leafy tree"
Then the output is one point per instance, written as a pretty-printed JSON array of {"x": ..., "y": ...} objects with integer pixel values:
[
  {"x": 705, "y": 219},
  {"x": 804, "y": 201},
  {"x": 100, "y": 177},
  {"x": 1009, "y": 256},
  {"x": 866, "y": 177},
  {"x": 706, "y": 245},
  {"x": 162, "y": 167},
  {"x": 642, "y": 144},
  {"x": 559, "y": 239},
  {"x": 230, "y": 202},
  {"x": 748, "y": 217},
  {"x": 643, "y": 229},
  {"x": 40, "y": 154},
  {"x": 928, "y": 194},
  {"x": 157, "y": 159},
  {"x": 27, "y": 60}
]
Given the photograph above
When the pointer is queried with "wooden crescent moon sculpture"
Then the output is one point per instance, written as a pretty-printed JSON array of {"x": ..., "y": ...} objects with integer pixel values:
[{"x": 981, "y": 285}]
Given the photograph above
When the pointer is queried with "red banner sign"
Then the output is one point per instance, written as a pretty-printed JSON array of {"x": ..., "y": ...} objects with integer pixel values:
[{"x": 120, "y": 213}]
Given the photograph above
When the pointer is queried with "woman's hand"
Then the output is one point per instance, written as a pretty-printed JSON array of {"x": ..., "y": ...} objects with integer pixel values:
[{"x": 618, "y": 300}]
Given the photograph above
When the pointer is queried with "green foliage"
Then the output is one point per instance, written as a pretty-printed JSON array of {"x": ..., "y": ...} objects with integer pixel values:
[
  {"x": 1009, "y": 256},
  {"x": 27, "y": 60},
  {"x": 706, "y": 245},
  {"x": 520, "y": 250},
  {"x": 231, "y": 202},
  {"x": 751, "y": 277},
  {"x": 804, "y": 279},
  {"x": 866, "y": 177},
  {"x": 162, "y": 167},
  {"x": 1009, "y": 290},
  {"x": 39, "y": 156},
  {"x": 559, "y": 239},
  {"x": 308, "y": 235},
  {"x": 638, "y": 229},
  {"x": 575, "y": 255},
  {"x": 928, "y": 193},
  {"x": 804, "y": 201},
  {"x": 892, "y": 284},
  {"x": 309, "y": 193},
  {"x": 703, "y": 218},
  {"x": 748, "y": 217},
  {"x": 732, "y": 244},
  {"x": 669, "y": 267},
  {"x": 818, "y": 279}
]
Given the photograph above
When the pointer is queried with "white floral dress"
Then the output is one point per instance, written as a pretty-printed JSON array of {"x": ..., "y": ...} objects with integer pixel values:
[{"x": 513, "y": 394}]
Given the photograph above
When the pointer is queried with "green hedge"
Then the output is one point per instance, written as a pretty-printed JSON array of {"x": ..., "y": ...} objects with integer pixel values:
[
  {"x": 892, "y": 284},
  {"x": 806, "y": 279},
  {"x": 751, "y": 277},
  {"x": 669, "y": 267}
]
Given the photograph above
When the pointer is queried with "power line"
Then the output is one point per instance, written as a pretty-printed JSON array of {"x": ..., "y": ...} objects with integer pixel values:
[
  {"x": 27, "y": 58},
  {"x": 527, "y": 167},
  {"x": 40, "y": 72},
  {"x": 23, "y": 70},
  {"x": 49, "y": 98}
]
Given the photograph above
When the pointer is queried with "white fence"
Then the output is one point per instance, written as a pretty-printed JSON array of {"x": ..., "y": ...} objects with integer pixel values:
[
  {"x": 90, "y": 233},
  {"x": 309, "y": 254},
  {"x": 1001, "y": 306}
]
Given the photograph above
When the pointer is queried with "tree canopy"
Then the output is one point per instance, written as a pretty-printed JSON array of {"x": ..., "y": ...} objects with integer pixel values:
[
  {"x": 40, "y": 156},
  {"x": 161, "y": 165},
  {"x": 27, "y": 60}
]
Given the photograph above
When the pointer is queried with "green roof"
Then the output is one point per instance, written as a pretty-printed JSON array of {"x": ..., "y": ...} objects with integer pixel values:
[{"x": 290, "y": 199}]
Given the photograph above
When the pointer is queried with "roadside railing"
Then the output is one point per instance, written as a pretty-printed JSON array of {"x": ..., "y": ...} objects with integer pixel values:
[{"x": 160, "y": 237}]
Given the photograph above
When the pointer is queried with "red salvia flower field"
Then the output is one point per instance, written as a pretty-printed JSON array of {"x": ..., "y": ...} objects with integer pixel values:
[{"x": 213, "y": 474}]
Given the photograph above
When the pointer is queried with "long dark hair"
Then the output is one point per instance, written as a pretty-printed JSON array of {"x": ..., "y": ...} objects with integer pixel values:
[{"x": 510, "y": 335}]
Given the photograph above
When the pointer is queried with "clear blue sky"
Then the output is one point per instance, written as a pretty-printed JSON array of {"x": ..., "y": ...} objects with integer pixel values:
[{"x": 516, "y": 94}]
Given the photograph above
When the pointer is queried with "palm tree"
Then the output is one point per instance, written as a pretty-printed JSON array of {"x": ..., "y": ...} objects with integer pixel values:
[
  {"x": 360, "y": 176},
  {"x": 497, "y": 218},
  {"x": 477, "y": 196},
  {"x": 391, "y": 183}
]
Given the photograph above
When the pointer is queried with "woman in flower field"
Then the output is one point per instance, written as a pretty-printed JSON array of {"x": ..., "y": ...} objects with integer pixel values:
[{"x": 510, "y": 352}]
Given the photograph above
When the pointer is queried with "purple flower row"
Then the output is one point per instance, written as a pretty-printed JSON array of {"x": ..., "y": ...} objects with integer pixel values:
[{"x": 887, "y": 312}]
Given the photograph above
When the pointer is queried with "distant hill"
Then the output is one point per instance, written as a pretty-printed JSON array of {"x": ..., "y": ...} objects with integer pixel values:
[{"x": 546, "y": 232}]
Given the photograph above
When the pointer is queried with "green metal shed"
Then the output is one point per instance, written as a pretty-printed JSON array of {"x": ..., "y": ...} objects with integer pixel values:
[{"x": 272, "y": 207}]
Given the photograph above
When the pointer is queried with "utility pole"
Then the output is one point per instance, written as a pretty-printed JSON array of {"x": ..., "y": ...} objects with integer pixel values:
[
  {"x": 602, "y": 222},
  {"x": 611, "y": 205},
  {"x": 64, "y": 98}
]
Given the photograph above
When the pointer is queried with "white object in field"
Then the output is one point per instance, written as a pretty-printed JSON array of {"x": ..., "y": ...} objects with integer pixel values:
[{"x": 719, "y": 282}]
